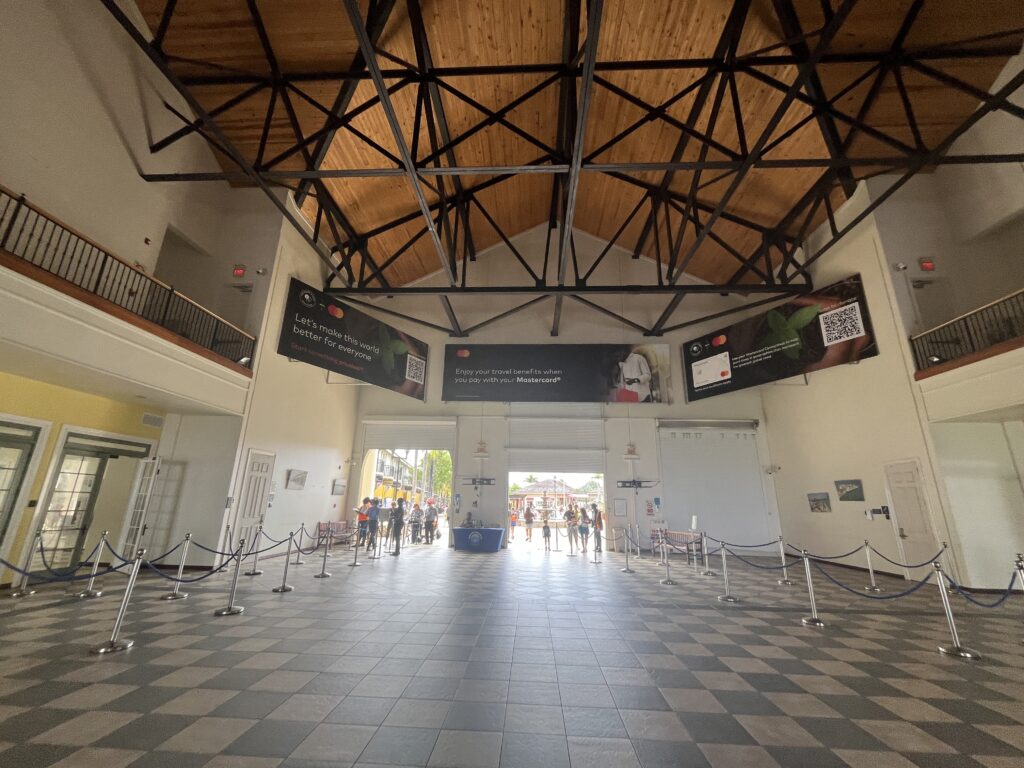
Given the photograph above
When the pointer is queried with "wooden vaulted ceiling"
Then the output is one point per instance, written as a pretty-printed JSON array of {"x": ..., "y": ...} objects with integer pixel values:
[{"x": 213, "y": 39}]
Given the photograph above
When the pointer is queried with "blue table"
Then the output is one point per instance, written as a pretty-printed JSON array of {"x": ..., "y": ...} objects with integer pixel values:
[{"x": 479, "y": 539}]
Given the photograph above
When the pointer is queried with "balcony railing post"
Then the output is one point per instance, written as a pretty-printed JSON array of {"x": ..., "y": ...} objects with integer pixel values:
[
  {"x": 14, "y": 217},
  {"x": 167, "y": 307},
  {"x": 101, "y": 274}
]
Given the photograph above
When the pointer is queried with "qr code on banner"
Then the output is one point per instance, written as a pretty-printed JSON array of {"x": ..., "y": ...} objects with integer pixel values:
[
  {"x": 842, "y": 324},
  {"x": 415, "y": 367}
]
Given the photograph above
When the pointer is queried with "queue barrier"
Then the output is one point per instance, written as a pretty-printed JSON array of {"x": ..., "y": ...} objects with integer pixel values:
[{"x": 693, "y": 542}]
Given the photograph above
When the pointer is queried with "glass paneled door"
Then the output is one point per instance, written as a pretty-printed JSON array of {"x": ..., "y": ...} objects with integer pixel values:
[
  {"x": 16, "y": 444},
  {"x": 69, "y": 509}
]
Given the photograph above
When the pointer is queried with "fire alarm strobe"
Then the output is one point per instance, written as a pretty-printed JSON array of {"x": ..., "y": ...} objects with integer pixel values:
[
  {"x": 926, "y": 265},
  {"x": 238, "y": 270}
]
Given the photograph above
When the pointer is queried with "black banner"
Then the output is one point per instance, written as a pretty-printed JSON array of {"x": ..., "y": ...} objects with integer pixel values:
[
  {"x": 828, "y": 327},
  {"x": 320, "y": 330},
  {"x": 565, "y": 373}
]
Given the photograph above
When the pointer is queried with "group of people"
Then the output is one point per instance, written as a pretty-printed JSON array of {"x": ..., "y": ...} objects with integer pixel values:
[
  {"x": 370, "y": 525},
  {"x": 580, "y": 524}
]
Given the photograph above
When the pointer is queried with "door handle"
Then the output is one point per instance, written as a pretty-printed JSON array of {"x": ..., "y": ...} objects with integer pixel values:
[
  {"x": 145, "y": 528},
  {"x": 903, "y": 534}
]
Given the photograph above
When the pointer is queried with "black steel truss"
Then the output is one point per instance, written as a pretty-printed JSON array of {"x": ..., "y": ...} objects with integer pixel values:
[{"x": 676, "y": 224}]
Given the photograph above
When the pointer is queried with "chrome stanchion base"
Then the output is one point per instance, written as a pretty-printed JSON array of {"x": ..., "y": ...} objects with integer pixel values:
[
  {"x": 322, "y": 575},
  {"x": 175, "y": 596},
  {"x": 88, "y": 594},
  {"x": 109, "y": 647},
  {"x": 283, "y": 588},
  {"x": 22, "y": 593},
  {"x": 959, "y": 652},
  {"x": 728, "y": 599},
  {"x": 298, "y": 562},
  {"x": 669, "y": 582},
  {"x": 354, "y": 565},
  {"x": 257, "y": 572},
  {"x": 813, "y": 621},
  {"x": 786, "y": 582},
  {"x": 873, "y": 588},
  {"x": 708, "y": 573},
  {"x": 231, "y": 610},
  {"x": 627, "y": 570}
]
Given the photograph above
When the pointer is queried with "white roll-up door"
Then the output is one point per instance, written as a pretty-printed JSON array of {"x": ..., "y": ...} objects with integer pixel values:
[
  {"x": 715, "y": 474},
  {"x": 556, "y": 445},
  {"x": 396, "y": 435}
]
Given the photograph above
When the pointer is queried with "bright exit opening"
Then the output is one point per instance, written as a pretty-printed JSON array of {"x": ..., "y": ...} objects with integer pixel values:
[{"x": 547, "y": 495}]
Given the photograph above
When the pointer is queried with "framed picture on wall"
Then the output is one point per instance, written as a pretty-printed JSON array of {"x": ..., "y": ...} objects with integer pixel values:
[
  {"x": 338, "y": 487},
  {"x": 819, "y": 502},
  {"x": 619, "y": 507},
  {"x": 295, "y": 480},
  {"x": 850, "y": 490}
]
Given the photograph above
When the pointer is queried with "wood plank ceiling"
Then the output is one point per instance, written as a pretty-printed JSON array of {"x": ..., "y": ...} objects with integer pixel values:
[{"x": 209, "y": 41}]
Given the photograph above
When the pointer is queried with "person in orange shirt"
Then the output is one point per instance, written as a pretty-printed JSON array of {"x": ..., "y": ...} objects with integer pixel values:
[{"x": 363, "y": 521}]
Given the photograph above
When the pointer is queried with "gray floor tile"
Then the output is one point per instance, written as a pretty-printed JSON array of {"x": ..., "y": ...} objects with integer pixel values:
[
  {"x": 466, "y": 749},
  {"x": 400, "y": 746}
]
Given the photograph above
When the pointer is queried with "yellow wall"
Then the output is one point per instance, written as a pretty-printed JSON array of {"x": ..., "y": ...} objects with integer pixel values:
[{"x": 58, "y": 405}]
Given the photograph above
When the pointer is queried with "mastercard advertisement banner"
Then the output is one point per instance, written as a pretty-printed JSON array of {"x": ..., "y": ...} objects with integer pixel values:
[
  {"x": 557, "y": 373},
  {"x": 322, "y": 331},
  {"x": 828, "y": 327}
]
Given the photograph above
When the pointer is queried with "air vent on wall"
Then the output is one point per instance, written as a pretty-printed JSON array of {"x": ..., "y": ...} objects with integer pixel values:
[
  {"x": 242, "y": 287},
  {"x": 152, "y": 420}
]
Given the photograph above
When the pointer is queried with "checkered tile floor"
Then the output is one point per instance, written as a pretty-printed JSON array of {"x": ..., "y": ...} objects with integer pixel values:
[{"x": 518, "y": 659}]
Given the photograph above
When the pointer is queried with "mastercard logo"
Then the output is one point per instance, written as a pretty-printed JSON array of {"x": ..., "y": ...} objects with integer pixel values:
[
  {"x": 462, "y": 353},
  {"x": 335, "y": 311},
  {"x": 719, "y": 340}
]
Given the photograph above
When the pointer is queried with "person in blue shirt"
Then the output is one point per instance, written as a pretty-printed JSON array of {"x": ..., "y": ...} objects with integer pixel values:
[{"x": 374, "y": 514}]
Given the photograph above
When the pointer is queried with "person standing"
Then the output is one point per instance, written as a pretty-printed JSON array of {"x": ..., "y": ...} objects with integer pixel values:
[
  {"x": 397, "y": 523},
  {"x": 528, "y": 521},
  {"x": 546, "y": 534},
  {"x": 429, "y": 523},
  {"x": 571, "y": 531},
  {"x": 363, "y": 522},
  {"x": 417, "y": 523},
  {"x": 513, "y": 518},
  {"x": 584, "y": 528},
  {"x": 373, "y": 520},
  {"x": 598, "y": 526}
]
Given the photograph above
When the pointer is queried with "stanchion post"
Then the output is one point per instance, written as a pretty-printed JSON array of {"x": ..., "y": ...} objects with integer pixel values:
[
  {"x": 298, "y": 547},
  {"x": 1019, "y": 565},
  {"x": 355, "y": 557},
  {"x": 942, "y": 561},
  {"x": 231, "y": 609},
  {"x": 668, "y": 573},
  {"x": 728, "y": 597},
  {"x": 115, "y": 644},
  {"x": 90, "y": 590},
  {"x": 255, "y": 570},
  {"x": 812, "y": 620},
  {"x": 785, "y": 580},
  {"x": 704, "y": 555},
  {"x": 23, "y": 589},
  {"x": 597, "y": 539},
  {"x": 323, "y": 569},
  {"x": 285, "y": 586},
  {"x": 955, "y": 649},
  {"x": 625, "y": 549},
  {"x": 330, "y": 538},
  {"x": 176, "y": 593},
  {"x": 556, "y": 537},
  {"x": 638, "y": 556},
  {"x": 872, "y": 586}
]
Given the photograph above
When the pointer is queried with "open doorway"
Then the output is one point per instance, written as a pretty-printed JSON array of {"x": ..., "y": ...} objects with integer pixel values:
[
  {"x": 544, "y": 496},
  {"x": 421, "y": 478}
]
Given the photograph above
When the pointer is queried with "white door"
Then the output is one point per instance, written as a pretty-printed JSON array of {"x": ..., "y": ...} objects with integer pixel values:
[
  {"x": 255, "y": 495},
  {"x": 163, "y": 505},
  {"x": 915, "y": 538},
  {"x": 136, "y": 524}
]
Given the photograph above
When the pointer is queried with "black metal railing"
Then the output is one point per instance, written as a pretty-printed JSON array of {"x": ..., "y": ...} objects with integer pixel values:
[
  {"x": 976, "y": 331},
  {"x": 36, "y": 237}
]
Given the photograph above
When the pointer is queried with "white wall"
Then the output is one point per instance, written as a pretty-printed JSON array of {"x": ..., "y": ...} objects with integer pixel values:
[
  {"x": 992, "y": 384},
  {"x": 293, "y": 411},
  {"x": 981, "y": 470},
  {"x": 206, "y": 445},
  {"x": 849, "y": 421}
]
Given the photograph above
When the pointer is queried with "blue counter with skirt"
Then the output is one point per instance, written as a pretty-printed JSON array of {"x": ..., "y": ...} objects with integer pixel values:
[{"x": 479, "y": 539}]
